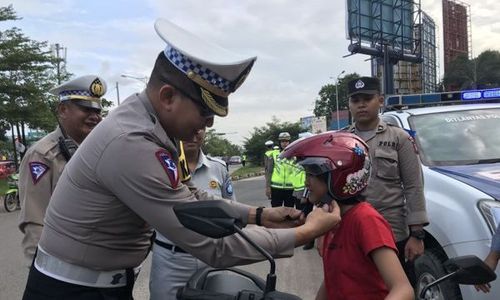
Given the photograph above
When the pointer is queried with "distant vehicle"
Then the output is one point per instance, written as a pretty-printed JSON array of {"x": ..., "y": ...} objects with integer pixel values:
[{"x": 235, "y": 160}]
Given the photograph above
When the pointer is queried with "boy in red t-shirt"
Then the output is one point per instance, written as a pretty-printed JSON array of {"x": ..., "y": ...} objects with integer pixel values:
[{"x": 359, "y": 256}]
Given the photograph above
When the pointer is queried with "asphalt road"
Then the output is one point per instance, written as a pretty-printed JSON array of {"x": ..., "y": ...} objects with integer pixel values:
[{"x": 301, "y": 275}]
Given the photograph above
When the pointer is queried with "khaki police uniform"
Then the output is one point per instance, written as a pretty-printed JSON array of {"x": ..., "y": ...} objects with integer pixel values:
[
  {"x": 39, "y": 172},
  {"x": 124, "y": 182},
  {"x": 44, "y": 162},
  {"x": 171, "y": 266},
  {"x": 395, "y": 187}
]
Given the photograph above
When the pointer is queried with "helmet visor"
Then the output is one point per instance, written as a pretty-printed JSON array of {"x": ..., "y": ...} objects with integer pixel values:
[{"x": 317, "y": 165}]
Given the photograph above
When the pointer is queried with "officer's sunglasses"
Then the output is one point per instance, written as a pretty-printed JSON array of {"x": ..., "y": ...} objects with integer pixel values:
[{"x": 203, "y": 109}]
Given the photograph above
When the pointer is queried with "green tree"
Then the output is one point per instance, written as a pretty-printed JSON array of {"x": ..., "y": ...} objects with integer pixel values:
[
  {"x": 26, "y": 74},
  {"x": 216, "y": 145},
  {"x": 254, "y": 146},
  {"x": 325, "y": 104},
  {"x": 459, "y": 74},
  {"x": 482, "y": 72},
  {"x": 488, "y": 69}
]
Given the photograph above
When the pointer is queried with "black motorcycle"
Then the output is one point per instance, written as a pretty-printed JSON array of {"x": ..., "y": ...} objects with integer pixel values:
[{"x": 217, "y": 219}]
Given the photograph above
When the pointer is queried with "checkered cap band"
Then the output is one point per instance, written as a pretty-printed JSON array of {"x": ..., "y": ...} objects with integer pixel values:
[
  {"x": 185, "y": 65},
  {"x": 65, "y": 95}
]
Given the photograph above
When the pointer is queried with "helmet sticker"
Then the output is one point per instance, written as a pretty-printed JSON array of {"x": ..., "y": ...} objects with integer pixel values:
[{"x": 357, "y": 181}]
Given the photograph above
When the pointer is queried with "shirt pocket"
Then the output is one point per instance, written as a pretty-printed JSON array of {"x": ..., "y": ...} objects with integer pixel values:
[{"x": 387, "y": 164}]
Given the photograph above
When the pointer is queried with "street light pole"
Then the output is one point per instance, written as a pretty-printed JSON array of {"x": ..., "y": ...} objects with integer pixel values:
[
  {"x": 141, "y": 79},
  {"x": 337, "y": 97}
]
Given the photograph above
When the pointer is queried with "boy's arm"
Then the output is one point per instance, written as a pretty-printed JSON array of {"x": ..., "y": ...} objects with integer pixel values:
[
  {"x": 392, "y": 273},
  {"x": 322, "y": 295}
]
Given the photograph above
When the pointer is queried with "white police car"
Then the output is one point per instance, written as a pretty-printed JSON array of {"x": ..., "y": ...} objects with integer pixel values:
[{"x": 459, "y": 147}]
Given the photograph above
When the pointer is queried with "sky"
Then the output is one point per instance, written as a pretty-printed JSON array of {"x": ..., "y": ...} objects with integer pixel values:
[{"x": 300, "y": 45}]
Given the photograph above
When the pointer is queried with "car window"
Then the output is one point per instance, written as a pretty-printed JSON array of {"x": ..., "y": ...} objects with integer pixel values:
[
  {"x": 390, "y": 120},
  {"x": 459, "y": 137}
]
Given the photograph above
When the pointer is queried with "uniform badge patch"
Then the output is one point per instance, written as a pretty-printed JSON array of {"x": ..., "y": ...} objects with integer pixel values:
[
  {"x": 229, "y": 189},
  {"x": 169, "y": 165},
  {"x": 37, "y": 170},
  {"x": 213, "y": 184},
  {"x": 359, "y": 84}
]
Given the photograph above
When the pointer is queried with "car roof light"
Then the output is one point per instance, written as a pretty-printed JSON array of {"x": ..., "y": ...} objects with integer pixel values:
[{"x": 446, "y": 98}]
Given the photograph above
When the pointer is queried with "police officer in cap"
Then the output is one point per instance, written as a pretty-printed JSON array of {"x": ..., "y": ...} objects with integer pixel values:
[
  {"x": 171, "y": 266},
  {"x": 395, "y": 188},
  {"x": 98, "y": 225},
  {"x": 78, "y": 112}
]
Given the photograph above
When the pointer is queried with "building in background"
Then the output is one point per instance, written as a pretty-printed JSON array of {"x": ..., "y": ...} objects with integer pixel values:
[
  {"x": 457, "y": 37},
  {"x": 416, "y": 78},
  {"x": 343, "y": 120}
]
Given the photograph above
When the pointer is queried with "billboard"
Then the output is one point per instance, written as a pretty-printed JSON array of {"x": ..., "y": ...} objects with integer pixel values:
[
  {"x": 318, "y": 124},
  {"x": 374, "y": 22},
  {"x": 305, "y": 122}
]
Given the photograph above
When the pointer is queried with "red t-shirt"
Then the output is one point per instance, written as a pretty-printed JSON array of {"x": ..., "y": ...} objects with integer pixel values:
[{"x": 350, "y": 272}]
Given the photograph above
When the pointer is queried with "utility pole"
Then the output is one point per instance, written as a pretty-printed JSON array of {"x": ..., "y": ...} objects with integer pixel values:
[
  {"x": 57, "y": 48},
  {"x": 117, "y": 93},
  {"x": 337, "y": 97}
]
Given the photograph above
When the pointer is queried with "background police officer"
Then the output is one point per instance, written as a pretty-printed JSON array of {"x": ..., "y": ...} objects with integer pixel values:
[
  {"x": 395, "y": 188},
  {"x": 78, "y": 112},
  {"x": 98, "y": 225},
  {"x": 171, "y": 266},
  {"x": 280, "y": 176}
]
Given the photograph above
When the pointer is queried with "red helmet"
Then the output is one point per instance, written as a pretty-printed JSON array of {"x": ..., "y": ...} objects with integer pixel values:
[{"x": 343, "y": 155}]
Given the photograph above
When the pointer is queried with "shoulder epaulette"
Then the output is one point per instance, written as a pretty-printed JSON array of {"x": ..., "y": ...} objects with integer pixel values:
[{"x": 220, "y": 161}]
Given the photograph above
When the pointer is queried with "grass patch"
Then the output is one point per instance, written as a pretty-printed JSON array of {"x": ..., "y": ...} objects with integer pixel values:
[{"x": 248, "y": 169}]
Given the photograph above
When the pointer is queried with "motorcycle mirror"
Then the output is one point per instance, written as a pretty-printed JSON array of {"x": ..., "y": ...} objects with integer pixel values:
[
  {"x": 212, "y": 218},
  {"x": 469, "y": 270}
]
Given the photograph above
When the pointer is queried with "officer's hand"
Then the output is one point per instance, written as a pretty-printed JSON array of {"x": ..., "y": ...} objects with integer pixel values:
[
  {"x": 268, "y": 192},
  {"x": 491, "y": 261},
  {"x": 282, "y": 217},
  {"x": 318, "y": 222},
  {"x": 414, "y": 248}
]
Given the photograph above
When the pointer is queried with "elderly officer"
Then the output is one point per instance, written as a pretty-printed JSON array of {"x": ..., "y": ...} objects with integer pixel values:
[
  {"x": 395, "y": 188},
  {"x": 98, "y": 224},
  {"x": 78, "y": 112},
  {"x": 171, "y": 266}
]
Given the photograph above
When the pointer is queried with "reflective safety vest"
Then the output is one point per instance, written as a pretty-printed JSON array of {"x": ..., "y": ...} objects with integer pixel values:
[
  {"x": 299, "y": 178},
  {"x": 282, "y": 177}
]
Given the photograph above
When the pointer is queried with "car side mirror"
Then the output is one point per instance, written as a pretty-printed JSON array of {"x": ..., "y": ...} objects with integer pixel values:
[
  {"x": 212, "y": 218},
  {"x": 469, "y": 270}
]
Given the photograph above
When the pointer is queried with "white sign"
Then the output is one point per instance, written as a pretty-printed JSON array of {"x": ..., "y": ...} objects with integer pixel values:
[{"x": 318, "y": 124}]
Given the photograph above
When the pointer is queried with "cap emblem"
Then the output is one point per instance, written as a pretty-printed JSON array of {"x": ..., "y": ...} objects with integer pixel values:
[
  {"x": 211, "y": 103},
  {"x": 359, "y": 84},
  {"x": 97, "y": 88}
]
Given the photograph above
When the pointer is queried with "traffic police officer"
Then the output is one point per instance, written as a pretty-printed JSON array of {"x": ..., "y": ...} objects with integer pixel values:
[
  {"x": 279, "y": 184},
  {"x": 171, "y": 266},
  {"x": 124, "y": 180},
  {"x": 395, "y": 188},
  {"x": 78, "y": 112}
]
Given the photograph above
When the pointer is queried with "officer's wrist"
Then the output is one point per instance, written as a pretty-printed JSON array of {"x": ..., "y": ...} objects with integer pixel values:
[{"x": 252, "y": 213}]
